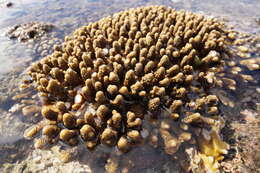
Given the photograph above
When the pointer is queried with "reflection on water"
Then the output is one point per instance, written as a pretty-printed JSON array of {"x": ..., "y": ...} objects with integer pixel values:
[{"x": 67, "y": 15}]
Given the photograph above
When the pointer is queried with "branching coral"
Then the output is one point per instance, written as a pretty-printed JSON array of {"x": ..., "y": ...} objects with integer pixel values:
[{"x": 148, "y": 59}]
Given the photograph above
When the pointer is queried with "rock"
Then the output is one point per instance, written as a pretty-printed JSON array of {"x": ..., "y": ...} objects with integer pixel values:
[
  {"x": 9, "y": 4},
  {"x": 31, "y": 110},
  {"x": 31, "y": 30},
  {"x": 257, "y": 20}
]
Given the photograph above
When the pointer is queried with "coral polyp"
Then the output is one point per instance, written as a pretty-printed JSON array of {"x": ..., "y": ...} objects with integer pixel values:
[{"x": 149, "y": 65}]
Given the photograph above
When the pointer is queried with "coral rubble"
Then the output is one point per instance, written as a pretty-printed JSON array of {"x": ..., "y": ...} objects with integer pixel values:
[{"x": 31, "y": 30}]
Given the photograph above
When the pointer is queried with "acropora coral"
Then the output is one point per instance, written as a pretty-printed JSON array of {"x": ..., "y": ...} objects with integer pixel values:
[{"x": 131, "y": 65}]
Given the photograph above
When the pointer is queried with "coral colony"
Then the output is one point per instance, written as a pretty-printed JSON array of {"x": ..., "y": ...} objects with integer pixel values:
[{"x": 145, "y": 65}]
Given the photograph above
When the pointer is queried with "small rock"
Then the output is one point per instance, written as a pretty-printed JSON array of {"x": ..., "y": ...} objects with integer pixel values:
[
  {"x": 27, "y": 31},
  {"x": 243, "y": 49},
  {"x": 249, "y": 115},
  {"x": 37, "y": 159},
  {"x": 65, "y": 156},
  {"x": 41, "y": 167},
  {"x": 49, "y": 164},
  {"x": 232, "y": 35},
  {"x": 15, "y": 108},
  {"x": 30, "y": 110},
  {"x": 257, "y": 20},
  {"x": 9, "y": 4},
  {"x": 56, "y": 161},
  {"x": 20, "y": 96}
]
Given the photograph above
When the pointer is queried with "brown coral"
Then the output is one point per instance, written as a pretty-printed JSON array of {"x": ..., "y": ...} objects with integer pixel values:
[{"x": 164, "y": 66}]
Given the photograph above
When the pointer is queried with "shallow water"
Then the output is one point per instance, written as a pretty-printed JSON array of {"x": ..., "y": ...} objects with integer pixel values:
[{"x": 67, "y": 15}]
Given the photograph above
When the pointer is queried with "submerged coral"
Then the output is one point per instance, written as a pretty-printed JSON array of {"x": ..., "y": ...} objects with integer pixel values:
[{"x": 147, "y": 64}]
